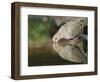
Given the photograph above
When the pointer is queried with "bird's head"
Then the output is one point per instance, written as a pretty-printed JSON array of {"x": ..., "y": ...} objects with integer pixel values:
[{"x": 56, "y": 38}]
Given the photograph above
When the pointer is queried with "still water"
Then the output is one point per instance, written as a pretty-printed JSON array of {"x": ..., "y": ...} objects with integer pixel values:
[{"x": 55, "y": 54}]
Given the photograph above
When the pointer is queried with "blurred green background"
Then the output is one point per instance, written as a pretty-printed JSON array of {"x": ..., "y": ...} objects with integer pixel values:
[{"x": 40, "y": 28}]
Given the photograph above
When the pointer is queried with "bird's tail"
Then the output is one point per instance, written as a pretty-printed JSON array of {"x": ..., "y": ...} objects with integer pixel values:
[{"x": 84, "y": 36}]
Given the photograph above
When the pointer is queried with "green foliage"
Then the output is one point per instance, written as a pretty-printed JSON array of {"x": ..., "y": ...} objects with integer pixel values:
[{"x": 38, "y": 29}]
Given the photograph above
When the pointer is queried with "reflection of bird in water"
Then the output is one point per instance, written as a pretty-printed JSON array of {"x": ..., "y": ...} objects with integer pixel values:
[
  {"x": 71, "y": 30},
  {"x": 71, "y": 53}
]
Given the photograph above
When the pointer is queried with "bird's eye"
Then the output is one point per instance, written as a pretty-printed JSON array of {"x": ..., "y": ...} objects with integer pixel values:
[
  {"x": 81, "y": 21},
  {"x": 55, "y": 38}
]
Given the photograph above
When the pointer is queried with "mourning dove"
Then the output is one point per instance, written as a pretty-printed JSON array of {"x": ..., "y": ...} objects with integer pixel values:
[{"x": 70, "y": 30}]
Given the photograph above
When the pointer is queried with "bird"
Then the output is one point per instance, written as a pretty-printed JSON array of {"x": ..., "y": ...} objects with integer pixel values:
[{"x": 70, "y": 30}]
